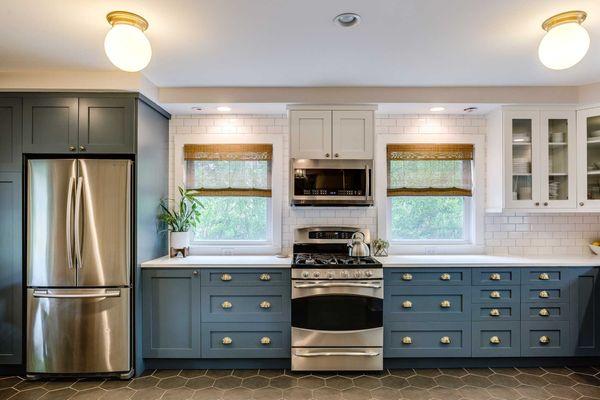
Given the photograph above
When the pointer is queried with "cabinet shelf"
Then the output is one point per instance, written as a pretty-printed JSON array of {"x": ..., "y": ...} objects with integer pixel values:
[
  {"x": 558, "y": 144},
  {"x": 521, "y": 143},
  {"x": 593, "y": 140},
  {"x": 597, "y": 172},
  {"x": 558, "y": 174}
]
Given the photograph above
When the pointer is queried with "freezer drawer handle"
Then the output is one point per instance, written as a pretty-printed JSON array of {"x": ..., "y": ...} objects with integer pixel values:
[
  {"x": 336, "y": 284},
  {"x": 46, "y": 295},
  {"x": 341, "y": 353}
]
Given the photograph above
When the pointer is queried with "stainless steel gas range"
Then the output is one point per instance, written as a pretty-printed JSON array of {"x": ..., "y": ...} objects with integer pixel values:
[{"x": 337, "y": 303}]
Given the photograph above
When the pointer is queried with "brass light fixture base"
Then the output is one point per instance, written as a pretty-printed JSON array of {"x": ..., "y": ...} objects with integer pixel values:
[
  {"x": 564, "y": 18},
  {"x": 128, "y": 18}
]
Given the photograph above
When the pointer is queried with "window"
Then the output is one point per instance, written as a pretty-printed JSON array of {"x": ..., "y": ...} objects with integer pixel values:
[
  {"x": 233, "y": 182},
  {"x": 429, "y": 192}
]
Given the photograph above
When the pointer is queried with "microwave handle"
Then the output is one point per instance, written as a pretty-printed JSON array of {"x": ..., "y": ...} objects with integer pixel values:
[{"x": 367, "y": 182}]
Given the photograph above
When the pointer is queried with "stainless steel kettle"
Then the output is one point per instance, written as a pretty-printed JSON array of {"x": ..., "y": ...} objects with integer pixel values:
[{"x": 357, "y": 246}]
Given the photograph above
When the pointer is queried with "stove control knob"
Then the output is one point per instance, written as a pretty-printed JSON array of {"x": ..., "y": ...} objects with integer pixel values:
[
  {"x": 369, "y": 273},
  {"x": 305, "y": 274},
  {"x": 316, "y": 274},
  {"x": 357, "y": 273},
  {"x": 344, "y": 274},
  {"x": 330, "y": 275}
]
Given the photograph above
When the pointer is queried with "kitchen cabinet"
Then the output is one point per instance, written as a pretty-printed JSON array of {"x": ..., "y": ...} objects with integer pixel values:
[
  {"x": 10, "y": 268},
  {"x": 106, "y": 125},
  {"x": 10, "y": 134},
  {"x": 50, "y": 124},
  {"x": 588, "y": 153},
  {"x": 328, "y": 134},
  {"x": 584, "y": 303}
]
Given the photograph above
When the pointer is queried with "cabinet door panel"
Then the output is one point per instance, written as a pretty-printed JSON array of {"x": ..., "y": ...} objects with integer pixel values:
[
  {"x": 50, "y": 124},
  {"x": 588, "y": 159},
  {"x": 10, "y": 134},
  {"x": 493, "y": 339},
  {"x": 353, "y": 134},
  {"x": 106, "y": 125},
  {"x": 584, "y": 312},
  {"x": 427, "y": 339},
  {"x": 545, "y": 339},
  {"x": 311, "y": 134}
]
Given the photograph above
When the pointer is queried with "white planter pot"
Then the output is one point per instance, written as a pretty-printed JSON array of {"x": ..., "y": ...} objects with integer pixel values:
[{"x": 180, "y": 240}]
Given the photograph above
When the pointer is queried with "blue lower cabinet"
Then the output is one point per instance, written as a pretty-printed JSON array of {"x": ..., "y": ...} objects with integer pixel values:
[
  {"x": 540, "y": 275},
  {"x": 248, "y": 304},
  {"x": 246, "y": 340},
  {"x": 545, "y": 339},
  {"x": 427, "y": 339},
  {"x": 495, "y": 312},
  {"x": 545, "y": 293},
  {"x": 495, "y": 294},
  {"x": 246, "y": 277},
  {"x": 427, "y": 276},
  {"x": 496, "y": 339},
  {"x": 427, "y": 303},
  {"x": 545, "y": 312},
  {"x": 496, "y": 276},
  {"x": 585, "y": 301}
]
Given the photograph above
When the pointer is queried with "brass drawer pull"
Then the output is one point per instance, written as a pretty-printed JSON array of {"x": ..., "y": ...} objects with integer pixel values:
[
  {"x": 407, "y": 277},
  {"x": 406, "y": 340},
  {"x": 265, "y": 277},
  {"x": 544, "y": 340},
  {"x": 226, "y": 304},
  {"x": 407, "y": 304},
  {"x": 495, "y": 340},
  {"x": 544, "y": 312},
  {"x": 494, "y": 312},
  {"x": 226, "y": 277},
  {"x": 265, "y": 340},
  {"x": 544, "y": 294},
  {"x": 495, "y": 276},
  {"x": 445, "y": 277},
  {"x": 227, "y": 340},
  {"x": 265, "y": 304},
  {"x": 495, "y": 294},
  {"x": 445, "y": 304},
  {"x": 445, "y": 340},
  {"x": 543, "y": 276}
]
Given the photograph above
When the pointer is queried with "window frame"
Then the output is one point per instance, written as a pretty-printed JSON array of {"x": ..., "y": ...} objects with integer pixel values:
[
  {"x": 473, "y": 241},
  {"x": 274, "y": 213}
]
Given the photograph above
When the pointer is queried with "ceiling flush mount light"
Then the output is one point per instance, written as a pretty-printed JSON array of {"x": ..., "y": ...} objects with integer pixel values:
[
  {"x": 223, "y": 108},
  {"x": 125, "y": 44},
  {"x": 437, "y": 109},
  {"x": 566, "y": 41},
  {"x": 347, "y": 20}
]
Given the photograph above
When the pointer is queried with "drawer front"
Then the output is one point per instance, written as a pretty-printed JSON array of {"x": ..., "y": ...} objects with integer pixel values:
[
  {"x": 246, "y": 340},
  {"x": 430, "y": 339},
  {"x": 545, "y": 312},
  {"x": 544, "y": 294},
  {"x": 544, "y": 275},
  {"x": 247, "y": 304},
  {"x": 246, "y": 277},
  {"x": 427, "y": 276},
  {"x": 496, "y": 312},
  {"x": 496, "y": 276},
  {"x": 545, "y": 339},
  {"x": 435, "y": 303},
  {"x": 496, "y": 339},
  {"x": 496, "y": 294}
]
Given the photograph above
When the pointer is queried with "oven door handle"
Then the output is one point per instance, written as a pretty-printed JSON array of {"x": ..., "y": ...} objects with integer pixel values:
[
  {"x": 341, "y": 353},
  {"x": 337, "y": 284}
]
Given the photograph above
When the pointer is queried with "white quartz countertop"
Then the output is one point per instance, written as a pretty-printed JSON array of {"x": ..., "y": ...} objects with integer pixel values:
[
  {"x": 487, "y": 261},
  {"x": 219, "y": 261}
]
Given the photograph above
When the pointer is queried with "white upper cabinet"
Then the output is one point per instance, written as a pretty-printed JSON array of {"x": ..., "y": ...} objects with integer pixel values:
[
  {"x": 332, "y": 134},
  {"x": 588, "y": 153}
]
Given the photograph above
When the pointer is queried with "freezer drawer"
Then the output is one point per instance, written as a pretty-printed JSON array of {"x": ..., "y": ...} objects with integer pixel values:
[{"x": 78, "y": 331}]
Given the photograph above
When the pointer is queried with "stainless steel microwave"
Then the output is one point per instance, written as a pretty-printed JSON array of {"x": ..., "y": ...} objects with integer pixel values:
[{"x": 331, "y": 182}]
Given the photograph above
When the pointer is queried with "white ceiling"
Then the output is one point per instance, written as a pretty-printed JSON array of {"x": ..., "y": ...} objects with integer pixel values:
[{"x": 295, "y": 43}]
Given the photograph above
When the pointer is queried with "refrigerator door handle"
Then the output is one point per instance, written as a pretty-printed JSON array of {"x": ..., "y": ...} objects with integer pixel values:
[
  {"x": 69, "y": 225},
  {"x": 78, "y": 221},
  {"x": 47, "y": 295}
]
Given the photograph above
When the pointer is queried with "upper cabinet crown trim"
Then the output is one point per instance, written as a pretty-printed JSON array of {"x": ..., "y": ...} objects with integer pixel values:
[{"x": 336, "y": 107}]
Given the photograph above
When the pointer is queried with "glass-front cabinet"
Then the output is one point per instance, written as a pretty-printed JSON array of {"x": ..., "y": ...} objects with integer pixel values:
[{"x": 588, "y": 136}]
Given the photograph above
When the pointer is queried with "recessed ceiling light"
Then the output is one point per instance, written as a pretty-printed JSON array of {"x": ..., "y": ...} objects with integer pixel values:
[
  {"x": 197, "y": 108},
  {"x": 437, "y": 108},
  {"x": 223, "y": 108},
  {"x": 347, "y": 20},
  {"x": 470, "y": 109}
]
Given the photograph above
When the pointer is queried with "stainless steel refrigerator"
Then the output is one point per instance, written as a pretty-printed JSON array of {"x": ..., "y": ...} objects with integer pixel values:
[{"x": 78, "y": 267}]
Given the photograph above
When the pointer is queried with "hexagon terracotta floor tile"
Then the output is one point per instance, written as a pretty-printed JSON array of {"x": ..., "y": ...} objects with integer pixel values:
[{"x": 577, "y": 383}]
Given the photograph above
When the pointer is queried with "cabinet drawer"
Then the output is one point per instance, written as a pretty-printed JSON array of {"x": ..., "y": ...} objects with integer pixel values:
[
  {"x": 248, "y": 304},
  {"x": 427, "y": 276},
  {"x": 541, "y": 275},
  {"x": 496, "y": 339},
  {"x": 246, "y": 340},
  {"x": 496, "y": 276},
  {"x": 431, "y": 339},
  {"x": 496, "y": 312},
  {"x": 435, "y": 303},
  {"x": 545, "y": 312},
  {"x": 246, "y": 277},
  {"x": 546, "y": 339},
  {"x": 545, "y": 293},
  {"x": 495, "y": 294}
]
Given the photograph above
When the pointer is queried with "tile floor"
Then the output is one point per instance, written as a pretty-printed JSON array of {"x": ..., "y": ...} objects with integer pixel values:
[{"x": 423, "y": 384}]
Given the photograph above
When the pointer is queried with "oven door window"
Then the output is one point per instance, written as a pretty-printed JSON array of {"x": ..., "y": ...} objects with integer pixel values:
[{"x": 337, "y": 313}]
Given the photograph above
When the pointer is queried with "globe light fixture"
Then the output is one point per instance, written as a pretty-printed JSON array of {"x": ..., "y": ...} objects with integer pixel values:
[
  {"x": 566, "y": 41},
  {"x": 126, "y": 45}
]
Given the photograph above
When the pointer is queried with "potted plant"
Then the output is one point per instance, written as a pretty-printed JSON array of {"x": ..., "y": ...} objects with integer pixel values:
[{"x": 180, "y": 219}]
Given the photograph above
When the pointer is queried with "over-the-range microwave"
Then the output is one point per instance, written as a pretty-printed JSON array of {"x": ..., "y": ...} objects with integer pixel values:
[{"x": 331, "y": 182}]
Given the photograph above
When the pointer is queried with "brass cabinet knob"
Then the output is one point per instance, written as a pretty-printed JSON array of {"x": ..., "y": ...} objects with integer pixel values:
[
  {"x": 494, "y": 312},
  {"x": 544, "y": 340},
  {"x": 445, "y": 340},
  {"x": 265, "y": 277},
  {"x": 226, "y": 305},
  {"x": 265, "y": 340},
  {"x": 495, "y": 340},
  {"x": 407, "y": 277},
  {"x": 406, "y": 340},
  {"x": 543, "y": 294},
  {"x": 227, "y": 340},
  {"x": 543, "y": 276},
  {"x": 544, "y": 312},
  {"x": 82, "y": 148},
  {"x": 407, "y": 304},
  {"x": 72, "y": 148},
  {"x": 226, "y": 277},
  {"x": 445, "y": 304},
  {"x": 495, "y": 294},
  {"x": 195, "y": 273},
  {"x": 265, "y": 304},
  {"x": 445, "y": 277},
  {"x": 495, "y": 277}
]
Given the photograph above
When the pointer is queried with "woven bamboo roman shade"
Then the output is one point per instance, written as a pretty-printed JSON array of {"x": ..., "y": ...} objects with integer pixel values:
[
  {"x": 228, "y": 169},
  {"x": 422, "y": 169}
]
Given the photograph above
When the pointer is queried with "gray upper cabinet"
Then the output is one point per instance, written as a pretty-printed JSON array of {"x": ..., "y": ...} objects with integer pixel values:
[
  {"x": 10, "y": 134},
  {"x": 106, "y": 125},
  {"x": 50, "y": 124}
]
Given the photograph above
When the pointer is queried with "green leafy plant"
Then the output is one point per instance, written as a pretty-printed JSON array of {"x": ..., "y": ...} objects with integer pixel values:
[{"x": 185, "y": 215}]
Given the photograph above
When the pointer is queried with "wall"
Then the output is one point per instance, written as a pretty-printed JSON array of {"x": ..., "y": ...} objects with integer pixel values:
[{"x": 505, "y": 233}]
